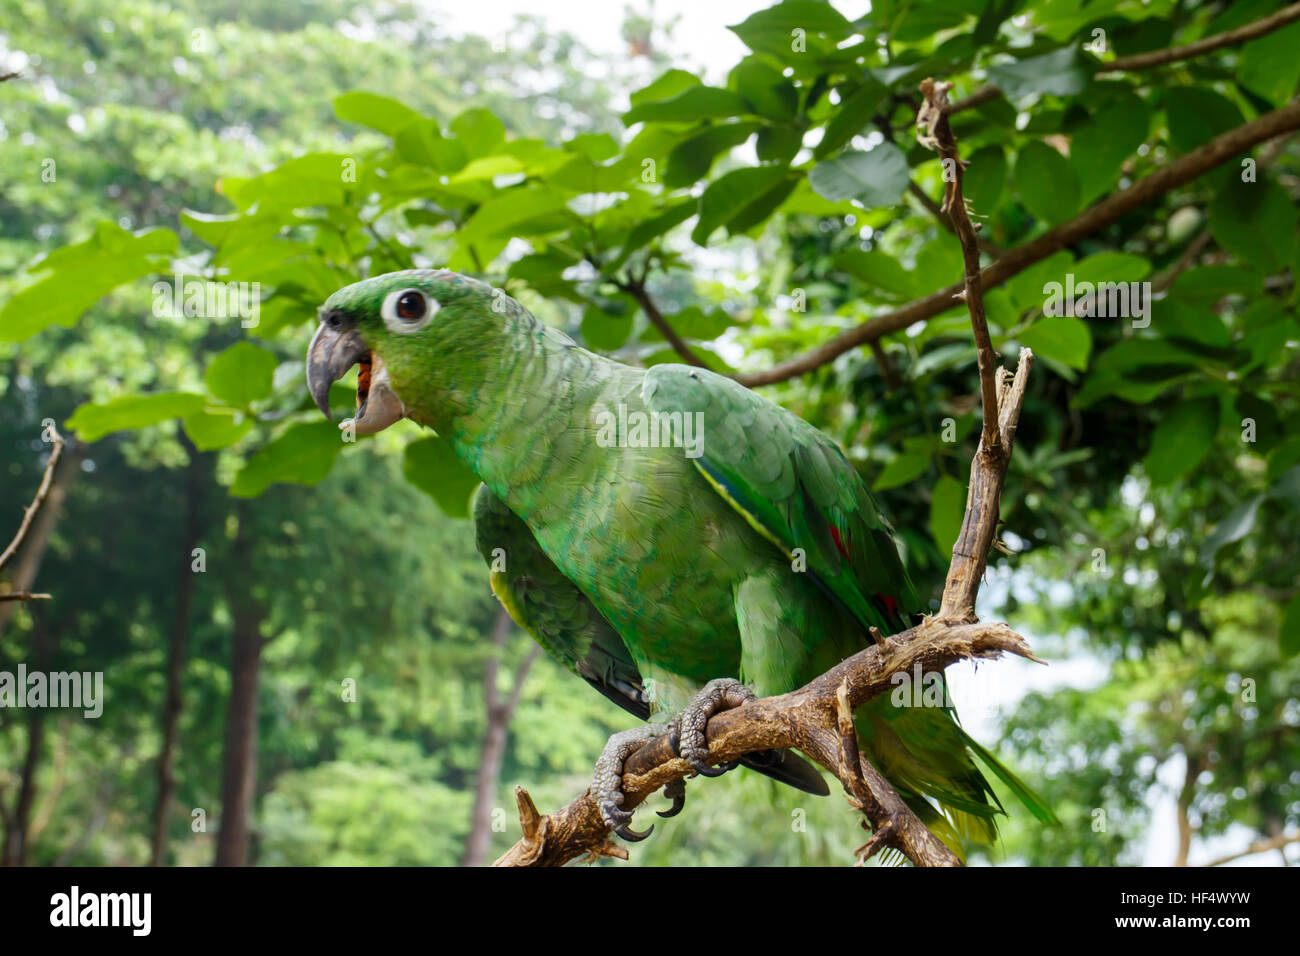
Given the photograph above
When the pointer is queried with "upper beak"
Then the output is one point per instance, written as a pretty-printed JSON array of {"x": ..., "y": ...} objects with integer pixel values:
[{"x": 331, "y": 353}]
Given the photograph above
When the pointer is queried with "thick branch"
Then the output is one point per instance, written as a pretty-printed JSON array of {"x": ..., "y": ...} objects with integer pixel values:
[
  {"x": 1168, "y": 177},
  {"x": 805, "y": 719}
]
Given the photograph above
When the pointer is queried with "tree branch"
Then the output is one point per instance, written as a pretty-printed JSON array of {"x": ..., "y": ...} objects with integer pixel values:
[
  {"x": 1168, "y": 177},
  {"x": 1259, "y": 846},
  {"x": 30, "y": 512},
  {"x": 1251, "y": 31},
  {"x": 637, "y": 291},
  {"x": 817, "y": 718},
  {"x": 1143, "y": 61}
]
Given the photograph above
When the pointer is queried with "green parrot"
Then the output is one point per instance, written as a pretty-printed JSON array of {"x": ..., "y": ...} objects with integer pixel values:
[{"x": 671, "y": 537}]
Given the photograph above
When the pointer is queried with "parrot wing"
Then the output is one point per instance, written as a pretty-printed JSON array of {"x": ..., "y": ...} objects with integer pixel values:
[
  {"x": 795, "y": 487},
  {"x": 552, "y": 609}
]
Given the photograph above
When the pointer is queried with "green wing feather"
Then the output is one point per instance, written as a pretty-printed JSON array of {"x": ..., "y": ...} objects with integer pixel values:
[
  {"x": 552, "y": 609},
  {"x": 795, "y": 487}
]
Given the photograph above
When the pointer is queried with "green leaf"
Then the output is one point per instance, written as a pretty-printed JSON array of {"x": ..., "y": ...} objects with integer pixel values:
[
  {"x": 597, "y": 147},
  {"x": 241, "y": 374},
  {"x": 1182, "y": 440},
  {"x": 691, "y": 159},
  {"x": 1256, "y": 221},
  {"x": 423, "y": 144},
  {"x": 303, "y": 455},
  {"x": 1234, "y": 527},
  {"x": 313, "y": 179},
  {"x": 947, "y": 508},
  {"x": 1111, "y": 136},
  {"x": 905, "y": 467},
  {"x": 374, "y": 111},
  {"x": 1206, "y": 285},
  {"x": 1111, "y": 267},
  {"x": 1269, "y": 66},
  {"x": 1046, "y": 182},
  {"x": 672, "y": 83},
  {"x": 1197, "y": 115},
  {"x": 778, "y": 144},
  {"x": 852, "y": 114},
  {"x": 983, "y": 180},
  {"x": 1289, "y": 635},
  {"x": 81, "y": 275},
  {"x": 773, "y": 30},
  {"x": 696, "y": 103},
  {"x": 478, "y": 131},
  {"x": 212, "y": 430},
  {"x": 875, "y": 178},
  {"x": 656, "y": 226},
  {"x": 1065, "y": 339},
  {"x": 433, "y": 467},
  {"x": 742, "y": 199},
  {"x": 508, "y": 208},
  {"x": 877, "y": 269},
  {"x": 767, "y": 92},
  {"x": 1062, "y": 72},
  {"x": 604, "y": 331},
  {"x": 92, "y": 422}
]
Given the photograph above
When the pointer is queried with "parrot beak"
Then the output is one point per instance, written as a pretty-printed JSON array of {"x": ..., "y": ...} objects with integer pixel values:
[{"x": 332, "y": 352}]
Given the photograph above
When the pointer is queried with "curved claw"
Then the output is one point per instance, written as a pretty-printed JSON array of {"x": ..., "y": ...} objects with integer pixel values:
[
  {"x": 704, "y": 770},
  {"x": 633, "y": 836},
  {"x": 677, "y": 791}
]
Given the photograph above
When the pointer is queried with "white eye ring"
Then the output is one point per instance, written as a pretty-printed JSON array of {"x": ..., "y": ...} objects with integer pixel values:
[{"x": 402, "y": 324}]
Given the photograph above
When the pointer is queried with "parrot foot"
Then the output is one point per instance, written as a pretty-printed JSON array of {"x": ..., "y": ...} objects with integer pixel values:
[
  {"x": 607, "y": 784},
  {"x": 687, "y": 728}
]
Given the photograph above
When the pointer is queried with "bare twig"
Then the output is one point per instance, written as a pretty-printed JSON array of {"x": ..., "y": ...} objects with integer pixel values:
[
  {"x": 1168, "y": 177},
  {"x": 938, "y": 135},
  {"x": 990, "y": 249},
  {"x": 31, "y": 511}
]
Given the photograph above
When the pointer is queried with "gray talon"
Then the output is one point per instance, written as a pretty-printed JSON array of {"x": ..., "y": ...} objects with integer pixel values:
[
  {"x": 724, "y": 693},
  {"x": 607, "y": 783},
  {"x": 675, "y": 791}
]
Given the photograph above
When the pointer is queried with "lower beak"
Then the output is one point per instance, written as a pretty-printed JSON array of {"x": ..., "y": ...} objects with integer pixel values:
[{"x": 329, "y": 357}]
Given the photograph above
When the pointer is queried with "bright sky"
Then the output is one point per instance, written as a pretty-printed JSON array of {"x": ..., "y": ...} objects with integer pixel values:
[
  {"x": 702, "y": 34},
  {"x": 702, "y": 39}
]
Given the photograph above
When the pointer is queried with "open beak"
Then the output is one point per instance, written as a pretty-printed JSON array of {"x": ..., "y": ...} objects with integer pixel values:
[{"x": 331, "y": 353}]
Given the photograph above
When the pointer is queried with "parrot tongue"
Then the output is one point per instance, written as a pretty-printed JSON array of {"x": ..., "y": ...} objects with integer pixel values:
[{"x": 377, "y": 404}]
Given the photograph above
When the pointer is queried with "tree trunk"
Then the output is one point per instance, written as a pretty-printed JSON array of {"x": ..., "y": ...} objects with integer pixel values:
[
  {"x": 1184, "y": 809},
  {"x": 176, "y": 654},
  {"x": 494, "y": 741},
  {"x": 239, "y": 759},
  {"x": 15, "y": 847}
]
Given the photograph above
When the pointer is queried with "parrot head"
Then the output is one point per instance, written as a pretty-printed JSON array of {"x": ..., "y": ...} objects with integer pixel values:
[{"x": 398, "y": 329}]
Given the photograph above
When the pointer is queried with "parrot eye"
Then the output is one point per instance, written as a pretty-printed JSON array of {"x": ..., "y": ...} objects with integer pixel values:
[{"x": 408, "y": 310}]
